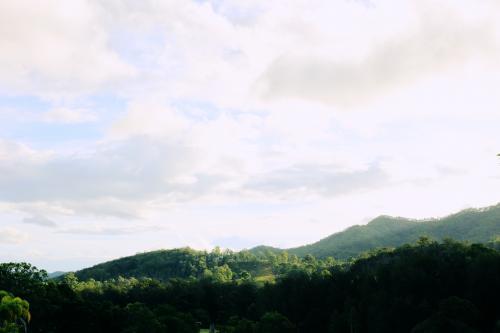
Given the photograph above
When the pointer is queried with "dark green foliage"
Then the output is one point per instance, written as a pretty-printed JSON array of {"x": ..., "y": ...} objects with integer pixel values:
[
  {"x": 161, "y": 265},
  {"x": 238, "y": 325},
  {"x": 21, "y": 278},
  {"x": 140, "y": 319},
  {"x": 424, "y": 287},
  {"x": 274, "y": 322},
  {"x": 221, "y": 266}
]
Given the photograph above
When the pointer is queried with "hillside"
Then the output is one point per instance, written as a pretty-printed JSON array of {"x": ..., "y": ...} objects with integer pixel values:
[
  {"x": 420, "y": 288},
  {"x": 55, "y": 275},
  {"x": 186, "y": 263},
  {"x": 175, "y": 263},
  {"x": 474, "y": 225},
  {"x": 265, "y": 263}
]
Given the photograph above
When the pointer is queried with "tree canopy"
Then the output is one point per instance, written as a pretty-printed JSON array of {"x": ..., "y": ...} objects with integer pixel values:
[
  {"x": 425, "y": 286},
  {"x": 14, "y": 313}
]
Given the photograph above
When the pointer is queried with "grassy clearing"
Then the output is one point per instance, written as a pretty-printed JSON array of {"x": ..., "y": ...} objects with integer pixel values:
[{"x": 265, "y": 278}]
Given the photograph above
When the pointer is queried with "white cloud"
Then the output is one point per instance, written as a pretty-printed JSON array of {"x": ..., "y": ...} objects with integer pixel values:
[
  {"x": 322, "y": 180},
  {"x": 150, "y": 119},
  {"x": 435, "y": 46},
  {"x": 56, "y": 48},
  {"x": 131, "y": 170},
  {"x": 40, "y": 220},
  {"x": 13, "y": 151},
  {"x": 111, "y": 231},
  {"x": 221, "y": 130},
  {"x": 69, "y": 116},
  {"x": 12, "y": 236}
]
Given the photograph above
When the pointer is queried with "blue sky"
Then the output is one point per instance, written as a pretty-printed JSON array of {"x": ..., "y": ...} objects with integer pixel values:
[{"x": 131, "y": 126}]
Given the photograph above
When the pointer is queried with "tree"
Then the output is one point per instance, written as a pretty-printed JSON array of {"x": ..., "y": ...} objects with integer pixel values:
[
  {"x": 21, "y": 278},
  {"x": 14, "y": 313},
  {"x": 141, "y": 319},
  {"x": 222, "y": 273},
  {"x": 71, "y": 280},
  {"x": 245, "y": 276},
  {"x": 424, "y": 241},
  {"x": 274, "y": 322}
]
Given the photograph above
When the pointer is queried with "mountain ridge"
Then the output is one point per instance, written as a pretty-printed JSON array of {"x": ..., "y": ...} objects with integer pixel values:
[
  {"x": 390, "y": 231},
  {"x": 473, "y": 225}
]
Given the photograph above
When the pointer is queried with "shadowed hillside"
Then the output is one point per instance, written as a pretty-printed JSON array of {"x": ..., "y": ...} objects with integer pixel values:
[{"x": 419, "y": 288}]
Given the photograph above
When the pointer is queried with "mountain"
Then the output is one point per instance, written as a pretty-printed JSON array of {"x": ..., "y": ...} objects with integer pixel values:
[
  {"x": 56, "y": 274},
  {"x": 473, "y": 225},
  {"x": 264, "y": 249},
  {"x": 264, "y": 263},
  {"x": 183, "y": 263}
]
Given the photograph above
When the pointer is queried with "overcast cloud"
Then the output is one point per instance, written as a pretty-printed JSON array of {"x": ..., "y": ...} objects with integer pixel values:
[
  {"x": 436, "y": 46},
  {"x": 128, "y": 126}
]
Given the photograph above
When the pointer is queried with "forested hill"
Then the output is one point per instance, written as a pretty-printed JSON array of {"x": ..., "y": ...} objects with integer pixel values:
[
  {"x": 474, "y": 225},
  {"x": 218, "y": 265},
  {"x": 265, "y": 263},
  {"x": 420, "y": 288}
]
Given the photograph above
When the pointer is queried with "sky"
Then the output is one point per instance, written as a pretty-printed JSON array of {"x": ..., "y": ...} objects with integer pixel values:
[{"x": 128, "y": 126}]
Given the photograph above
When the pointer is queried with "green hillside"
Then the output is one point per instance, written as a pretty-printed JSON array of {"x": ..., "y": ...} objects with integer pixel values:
[
  {"x": 420, "y": 288},
  {"x": 177, "y": 263},
  {"x": 264, "y": 263},
  {"x": 186, "y": 263},
  {"x": 474, "y": 225}
]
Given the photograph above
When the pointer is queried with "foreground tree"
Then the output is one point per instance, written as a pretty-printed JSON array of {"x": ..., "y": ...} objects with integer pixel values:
[
  {"x": 274, "y": 322},
  {"x": 14, "y": 313},
  {"x": 21, "y": 278}
]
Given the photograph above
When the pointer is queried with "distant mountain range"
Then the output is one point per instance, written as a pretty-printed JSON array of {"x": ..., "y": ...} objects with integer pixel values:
[
  {"x": 473, "y": 225},
  {"x": 54, "y": 275}
]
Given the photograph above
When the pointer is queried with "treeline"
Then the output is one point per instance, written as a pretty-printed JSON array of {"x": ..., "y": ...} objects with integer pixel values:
[
  {"x": 220, "y": 265},
  {"x": 424, "y": 287}
]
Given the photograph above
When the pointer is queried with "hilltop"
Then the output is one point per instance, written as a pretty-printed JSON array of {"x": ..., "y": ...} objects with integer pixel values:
[
  {"x": 472, "y": 225},
  {"x": 265, "y": 263}
]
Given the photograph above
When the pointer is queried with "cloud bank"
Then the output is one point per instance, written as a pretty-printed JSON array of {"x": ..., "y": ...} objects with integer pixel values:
[{"x": 127, "y": 126}]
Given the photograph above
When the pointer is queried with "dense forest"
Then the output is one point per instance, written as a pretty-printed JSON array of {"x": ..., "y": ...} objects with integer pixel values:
[
  {"x": 218, "y": 265},
  {"x": 426, "y": 286},
  {"x": 265, "y": 264}
]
